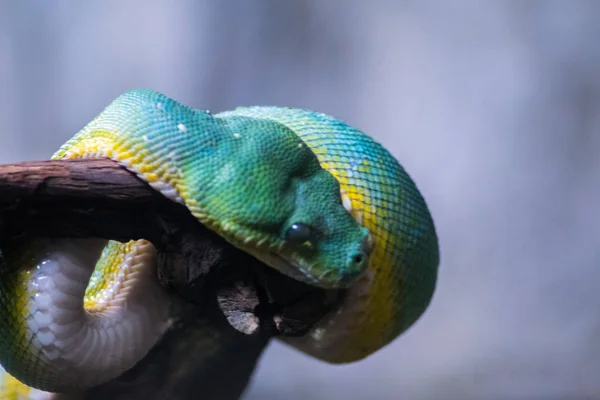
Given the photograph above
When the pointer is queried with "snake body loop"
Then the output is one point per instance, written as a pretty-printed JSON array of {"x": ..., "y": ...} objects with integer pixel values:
[
  {"x": 72, "y": 344},
  {"x": 302, "y": 191}
]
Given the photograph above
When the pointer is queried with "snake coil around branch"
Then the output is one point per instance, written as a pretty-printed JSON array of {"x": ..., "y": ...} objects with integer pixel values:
[
  {"x": 221, "y": 285},
  {"x": 272, "y": 221},
  {"x": 99, "y": 198}
]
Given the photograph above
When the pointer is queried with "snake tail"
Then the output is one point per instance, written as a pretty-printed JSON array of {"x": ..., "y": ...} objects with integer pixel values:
[{"x": 64, "y": 343}]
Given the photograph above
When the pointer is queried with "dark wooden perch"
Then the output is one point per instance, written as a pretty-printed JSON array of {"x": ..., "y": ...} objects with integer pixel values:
[{"x": 224, "y": 287}]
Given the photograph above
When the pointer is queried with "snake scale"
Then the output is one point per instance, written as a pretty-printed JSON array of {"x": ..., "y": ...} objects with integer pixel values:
[{"x": 302, "y": 191}]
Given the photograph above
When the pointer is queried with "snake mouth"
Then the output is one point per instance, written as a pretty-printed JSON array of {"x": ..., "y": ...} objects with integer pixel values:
[
  {"x": 304, "y": 273},
  {"x": 294, "y": 271}
]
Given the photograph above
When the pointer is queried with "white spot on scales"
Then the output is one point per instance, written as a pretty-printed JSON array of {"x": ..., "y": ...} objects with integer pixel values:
[{"x": 346, "y": 202}]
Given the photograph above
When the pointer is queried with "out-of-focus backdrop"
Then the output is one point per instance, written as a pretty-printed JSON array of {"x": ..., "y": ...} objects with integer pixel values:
[{"x": 493, "y": 107}]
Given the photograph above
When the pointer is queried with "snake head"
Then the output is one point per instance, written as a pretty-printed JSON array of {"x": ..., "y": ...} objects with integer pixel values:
[
  {"x": 270, "y": 197},
  {"x": 251, "y": 180},
  {"x": 322, "y": 244}
]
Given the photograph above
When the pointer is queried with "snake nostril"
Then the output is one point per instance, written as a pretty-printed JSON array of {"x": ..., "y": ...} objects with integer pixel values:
[
  {"x": 355, "y": 266},
  {"x": 358, "y": 258}
]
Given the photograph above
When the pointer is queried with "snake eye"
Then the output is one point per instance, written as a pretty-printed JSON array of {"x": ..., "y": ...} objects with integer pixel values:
[{"x": 300, "y": 233}]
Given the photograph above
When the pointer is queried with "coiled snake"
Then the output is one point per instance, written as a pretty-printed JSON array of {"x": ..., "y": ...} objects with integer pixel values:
[{"x": 303, "y": 192}]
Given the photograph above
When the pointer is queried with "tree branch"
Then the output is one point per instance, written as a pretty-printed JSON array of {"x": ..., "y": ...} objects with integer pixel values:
[{"x": 82, "y": 198}]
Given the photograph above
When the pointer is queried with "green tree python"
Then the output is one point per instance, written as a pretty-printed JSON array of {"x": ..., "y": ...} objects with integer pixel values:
[{"x": 303, "y": 192}]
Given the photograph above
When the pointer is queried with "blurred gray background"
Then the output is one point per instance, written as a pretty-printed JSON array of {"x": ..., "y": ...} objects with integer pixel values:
[{"x": 493, "y": 107}]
